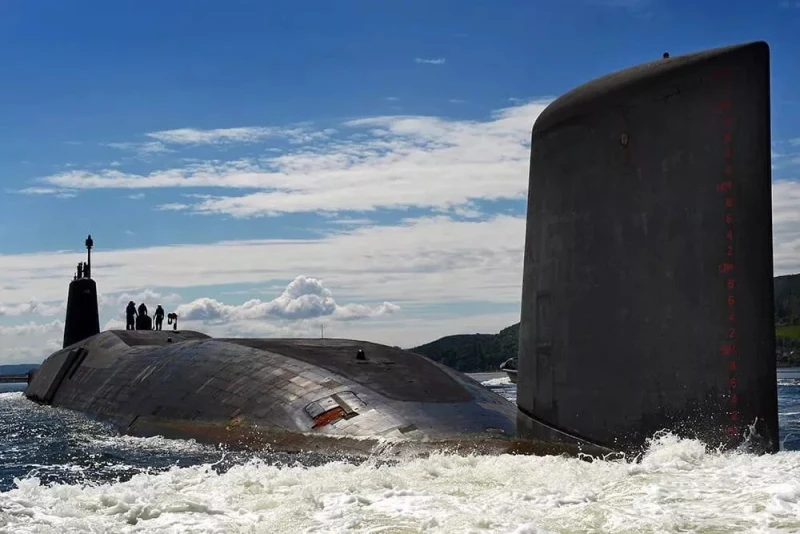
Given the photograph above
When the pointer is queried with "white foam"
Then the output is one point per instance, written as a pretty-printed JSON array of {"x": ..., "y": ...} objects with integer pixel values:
[
  {"x": 494, "y": 382},
  {"x": 678, "y": 486}
]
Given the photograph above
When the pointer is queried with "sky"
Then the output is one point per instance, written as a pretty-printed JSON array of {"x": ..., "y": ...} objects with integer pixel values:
[{"x": 279, "y": 168}]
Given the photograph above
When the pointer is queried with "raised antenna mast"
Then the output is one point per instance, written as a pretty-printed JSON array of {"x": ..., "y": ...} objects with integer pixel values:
[{"x": 87, "y": 271}]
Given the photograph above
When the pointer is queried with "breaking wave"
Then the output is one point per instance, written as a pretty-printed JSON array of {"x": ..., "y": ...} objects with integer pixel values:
[{"x": 677, "y": 486}]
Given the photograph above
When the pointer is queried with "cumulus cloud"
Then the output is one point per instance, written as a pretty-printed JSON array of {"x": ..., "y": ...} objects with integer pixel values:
[
  {"x": 147, "y": 295},
  {"x": 31, "y": 307},
  {"x": 54, "y": 327},
  {"x": 29, "y": 342},
  {"x": 304, "y": 298},
  {"x": 375, "y": 162},
  {"x": 430, "y": 259},
  {"x": 433, "y": 61}
]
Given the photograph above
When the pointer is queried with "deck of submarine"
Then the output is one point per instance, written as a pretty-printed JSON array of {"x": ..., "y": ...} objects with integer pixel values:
[{"x": 394, "y": 373}]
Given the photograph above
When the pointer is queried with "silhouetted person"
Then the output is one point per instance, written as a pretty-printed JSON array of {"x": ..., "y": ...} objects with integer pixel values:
[
  {"x": 159, "y": 316},
  {"x": 130, "y": 315},
  {"x": 144, "y": 321},
  {"x": 172, "y": 318}
]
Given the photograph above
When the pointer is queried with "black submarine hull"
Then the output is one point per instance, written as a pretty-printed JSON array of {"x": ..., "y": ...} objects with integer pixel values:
[{"x": 286, "y": 394}]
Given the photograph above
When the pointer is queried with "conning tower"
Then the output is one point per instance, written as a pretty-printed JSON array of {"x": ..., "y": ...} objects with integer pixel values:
[
  {"x": 647, "y": 298},
  {"x": 83, "y": 318}
]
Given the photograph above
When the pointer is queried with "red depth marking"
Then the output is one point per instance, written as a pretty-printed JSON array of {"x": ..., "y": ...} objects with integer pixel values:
[{"x": 727, "y": 265}]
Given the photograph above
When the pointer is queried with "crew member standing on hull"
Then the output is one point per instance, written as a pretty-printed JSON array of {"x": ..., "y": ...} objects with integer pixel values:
[
  {"x": 130, "y": 315},
  {"x": 159, "y": 316},
  {"x": 143, "y": 322}
]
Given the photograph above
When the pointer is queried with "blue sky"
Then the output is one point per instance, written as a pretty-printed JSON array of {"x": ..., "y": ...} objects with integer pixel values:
[{"x": 377, "y": 151}]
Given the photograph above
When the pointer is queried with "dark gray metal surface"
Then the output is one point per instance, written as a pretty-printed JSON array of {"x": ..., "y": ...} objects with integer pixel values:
[
  {"x": 396, "y": 373},
  {"x": 647, "y": 297},
  {"x": 196, "y": 386},
  {"x": 135, "y": 338},
  {"x": 82, "y": 319}
]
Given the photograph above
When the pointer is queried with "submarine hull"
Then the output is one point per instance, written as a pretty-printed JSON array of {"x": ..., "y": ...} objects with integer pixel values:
[
  {"x": 647, "y": 299},
  {"x": 288, "y": 394}
]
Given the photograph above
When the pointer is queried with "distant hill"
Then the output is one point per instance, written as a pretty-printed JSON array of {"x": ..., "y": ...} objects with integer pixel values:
[
  {"x": 473, "y": 353},
  {"x": 787, "y": 319},
  {"x": 17, "y": 369},
  {"x": 787, "y": 299}
]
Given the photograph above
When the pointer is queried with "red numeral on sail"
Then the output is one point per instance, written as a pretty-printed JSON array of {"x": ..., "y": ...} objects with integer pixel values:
[{"x": 727, "y": 268}]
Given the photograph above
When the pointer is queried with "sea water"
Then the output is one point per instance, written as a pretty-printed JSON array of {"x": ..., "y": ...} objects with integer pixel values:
[{"x": 62, "y": 472}]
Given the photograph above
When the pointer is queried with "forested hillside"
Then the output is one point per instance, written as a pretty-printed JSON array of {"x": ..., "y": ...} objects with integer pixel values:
[{"x": 485, "y": 352}]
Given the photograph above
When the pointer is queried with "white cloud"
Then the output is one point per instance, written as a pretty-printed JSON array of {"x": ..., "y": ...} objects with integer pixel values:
[
  {"x": 434, "y": 61},
  {"x": 400, "y": 162},
  {"x": 248, "y": 134},
  {"x": 144, "y": 150},
  {"x": 136, "y": 196},
  {"x": 413, "y": 265},
  {"x": 31, "y": 307},
  {"x": 193, "y": 136},
  {"x": 304, "y": 298},
  {"x": 425, "y": 260},
  {"x": 40, "y": 190},
  {"x": 434, "y": 260},
  {"x": 53, "y": 327},
  {"x": 353, "y": 222},
  {"x": 457, "y": 101},
  {"x": 147, "y": 295},
  {"x": 390, "y": 161},
  {"x": 172, "y": 206},
  {"x": 58, "y": 192},
  {"x": 30, "y": 342}
]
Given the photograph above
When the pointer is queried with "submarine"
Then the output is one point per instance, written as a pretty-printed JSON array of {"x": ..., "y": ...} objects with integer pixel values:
[
  {"x": 289, "y": 394},
  {"x": 647, "y": 303}
]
